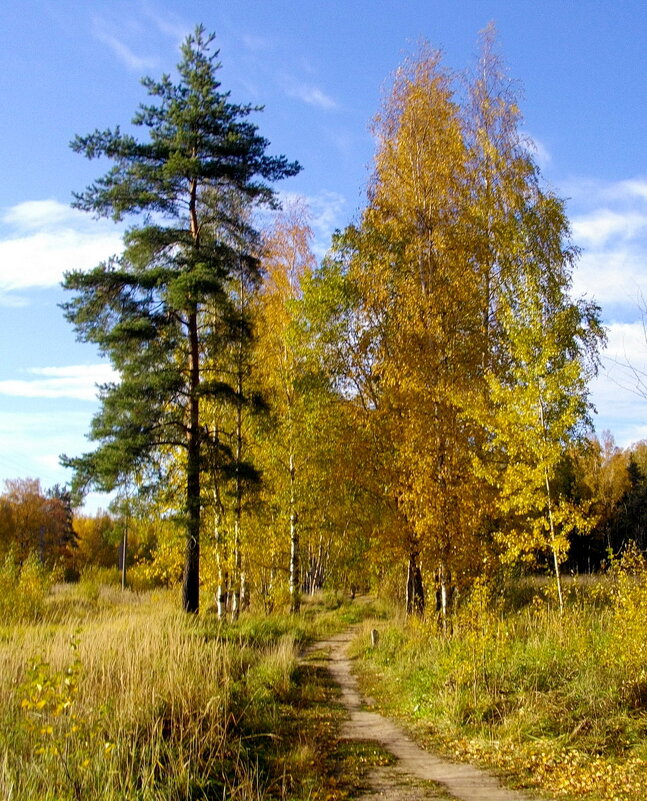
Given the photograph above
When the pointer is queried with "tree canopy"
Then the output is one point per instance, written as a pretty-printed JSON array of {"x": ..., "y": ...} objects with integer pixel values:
[{"x": 410, "y": 406}]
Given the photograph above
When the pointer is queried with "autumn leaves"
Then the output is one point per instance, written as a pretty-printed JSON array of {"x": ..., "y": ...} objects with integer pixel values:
[
  {"x": 406, "y": 402},
  {"x": 478, "y": 356}
]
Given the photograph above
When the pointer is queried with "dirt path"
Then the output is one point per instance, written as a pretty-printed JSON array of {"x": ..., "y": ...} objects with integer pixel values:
[{"x": 411, "y": 779}]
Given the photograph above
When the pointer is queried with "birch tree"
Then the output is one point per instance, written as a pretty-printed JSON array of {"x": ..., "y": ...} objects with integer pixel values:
[
  {"x": 538, "y": 404},
  {"x": 287, "y": 261},
  {"x": 420, "y": 300}
]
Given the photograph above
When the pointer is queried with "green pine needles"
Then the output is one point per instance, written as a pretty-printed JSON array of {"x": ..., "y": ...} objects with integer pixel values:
[{"x": 154, "y": 310}]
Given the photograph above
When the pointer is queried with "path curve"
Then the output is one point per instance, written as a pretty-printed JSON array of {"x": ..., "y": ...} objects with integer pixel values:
[{"x": 463, "y": 782}]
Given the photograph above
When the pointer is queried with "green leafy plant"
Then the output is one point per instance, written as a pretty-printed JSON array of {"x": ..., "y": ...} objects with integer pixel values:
[{"x": 59, "y": 734}]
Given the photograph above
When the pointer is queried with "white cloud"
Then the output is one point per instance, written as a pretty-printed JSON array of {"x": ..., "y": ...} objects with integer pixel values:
[
  {"x": 627, "y": 190},
  {"x": 309, "y": 94},
  {"x": 40, "y": 260},
  {"x": 627, "y": 342},
  {"x": 610, "y": 224},
  {"x": 78, "y": 382},
  {"x": 36, "y": 214},
  {"x": 619, "y": 393},
  {"x": 619, "y": 408},
  {"x": 613, "y": 276},
  {"x": 637, "y": 188},
  {"x": 46, "y": 239},
  {"x": 593, "y": 193},
  {"x": 127, "y": 57},
  {"x": 598, "y": 227}
]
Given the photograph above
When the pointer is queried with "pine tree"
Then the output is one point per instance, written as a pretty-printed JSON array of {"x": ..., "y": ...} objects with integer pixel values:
[{"x": 146, "y": 308}]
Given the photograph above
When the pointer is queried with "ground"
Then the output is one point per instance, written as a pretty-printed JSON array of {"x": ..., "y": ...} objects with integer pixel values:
[{"x": 417, "y": 774}]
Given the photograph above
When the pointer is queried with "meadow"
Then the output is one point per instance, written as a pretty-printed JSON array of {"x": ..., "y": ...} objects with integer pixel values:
[{"x": 119, "y": 695}]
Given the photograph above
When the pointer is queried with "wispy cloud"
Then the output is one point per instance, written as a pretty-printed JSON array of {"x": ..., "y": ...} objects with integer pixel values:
[
  {"x": 613, "y": 277},
  {"x": 41, "y": 239},
  {"x": 539, "y": 151},
  {"x": 31, "y": 445},
  {"x": 327, "y": 212},
  {"x": 619, "y": 393},
  {"x": 627, "y": 344},
  {"x": 598, "y": 227},
  {"x": 77, "y": 382},
  {"x": 111, "y": 35},
  {"x": 308, "y": 93},
  {"x": 256, "y": 44},
  {"x": 127, "y": 57},
  {"x": 609, "y": 222},
  {"x": 170, "y": 25},
  {"x": 34, "y": 214},
  {"x": 593, "y": 192}
]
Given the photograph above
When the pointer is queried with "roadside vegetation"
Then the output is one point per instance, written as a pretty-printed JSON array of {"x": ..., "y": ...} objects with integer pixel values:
[
  {"x": 119, "y": 695},
  {"x": 556, "y": 702}
]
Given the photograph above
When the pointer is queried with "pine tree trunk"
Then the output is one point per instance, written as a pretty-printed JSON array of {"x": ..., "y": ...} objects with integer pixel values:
[{"x": 191, "y": 577}]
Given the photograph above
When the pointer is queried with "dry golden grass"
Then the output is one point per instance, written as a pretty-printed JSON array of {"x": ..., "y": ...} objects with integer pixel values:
[
  {"x": 125, "y": 696},
  {"x": 118, "y": 695}
]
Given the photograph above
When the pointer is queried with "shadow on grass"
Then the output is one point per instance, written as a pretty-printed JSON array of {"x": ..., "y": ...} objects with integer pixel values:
[{"x": 294, "y": 748}]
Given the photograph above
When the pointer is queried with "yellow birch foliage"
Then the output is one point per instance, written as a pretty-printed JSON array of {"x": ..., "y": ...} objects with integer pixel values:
[
  {"x": 284, "y": 442},
  {"x": 421, "y": 299}
]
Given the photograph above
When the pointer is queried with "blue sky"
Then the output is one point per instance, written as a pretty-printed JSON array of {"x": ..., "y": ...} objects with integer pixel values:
[{"x": 320, "y": 69}]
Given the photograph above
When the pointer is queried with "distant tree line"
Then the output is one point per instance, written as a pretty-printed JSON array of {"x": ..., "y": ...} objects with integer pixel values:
[{"x": 38, "y": 522}]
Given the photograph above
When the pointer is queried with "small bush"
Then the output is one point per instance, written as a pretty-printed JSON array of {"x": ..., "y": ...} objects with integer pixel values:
[{"x": 23, "y": 589}]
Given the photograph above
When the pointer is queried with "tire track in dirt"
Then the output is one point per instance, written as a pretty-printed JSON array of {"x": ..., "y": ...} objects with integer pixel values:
[{"x": 407, "y": 780}]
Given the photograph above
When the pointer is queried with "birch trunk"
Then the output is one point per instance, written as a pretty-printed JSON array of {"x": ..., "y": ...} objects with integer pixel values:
[
  {"x": 295, "y": 585},
  {"x": 415, "y": 587}
]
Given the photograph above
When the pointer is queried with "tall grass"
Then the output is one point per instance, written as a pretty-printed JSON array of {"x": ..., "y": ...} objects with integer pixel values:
[
  {"x": 118, "y": 695},
  {"x": 559, "y": 700},
  {"x": 129, "y": 700}
]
